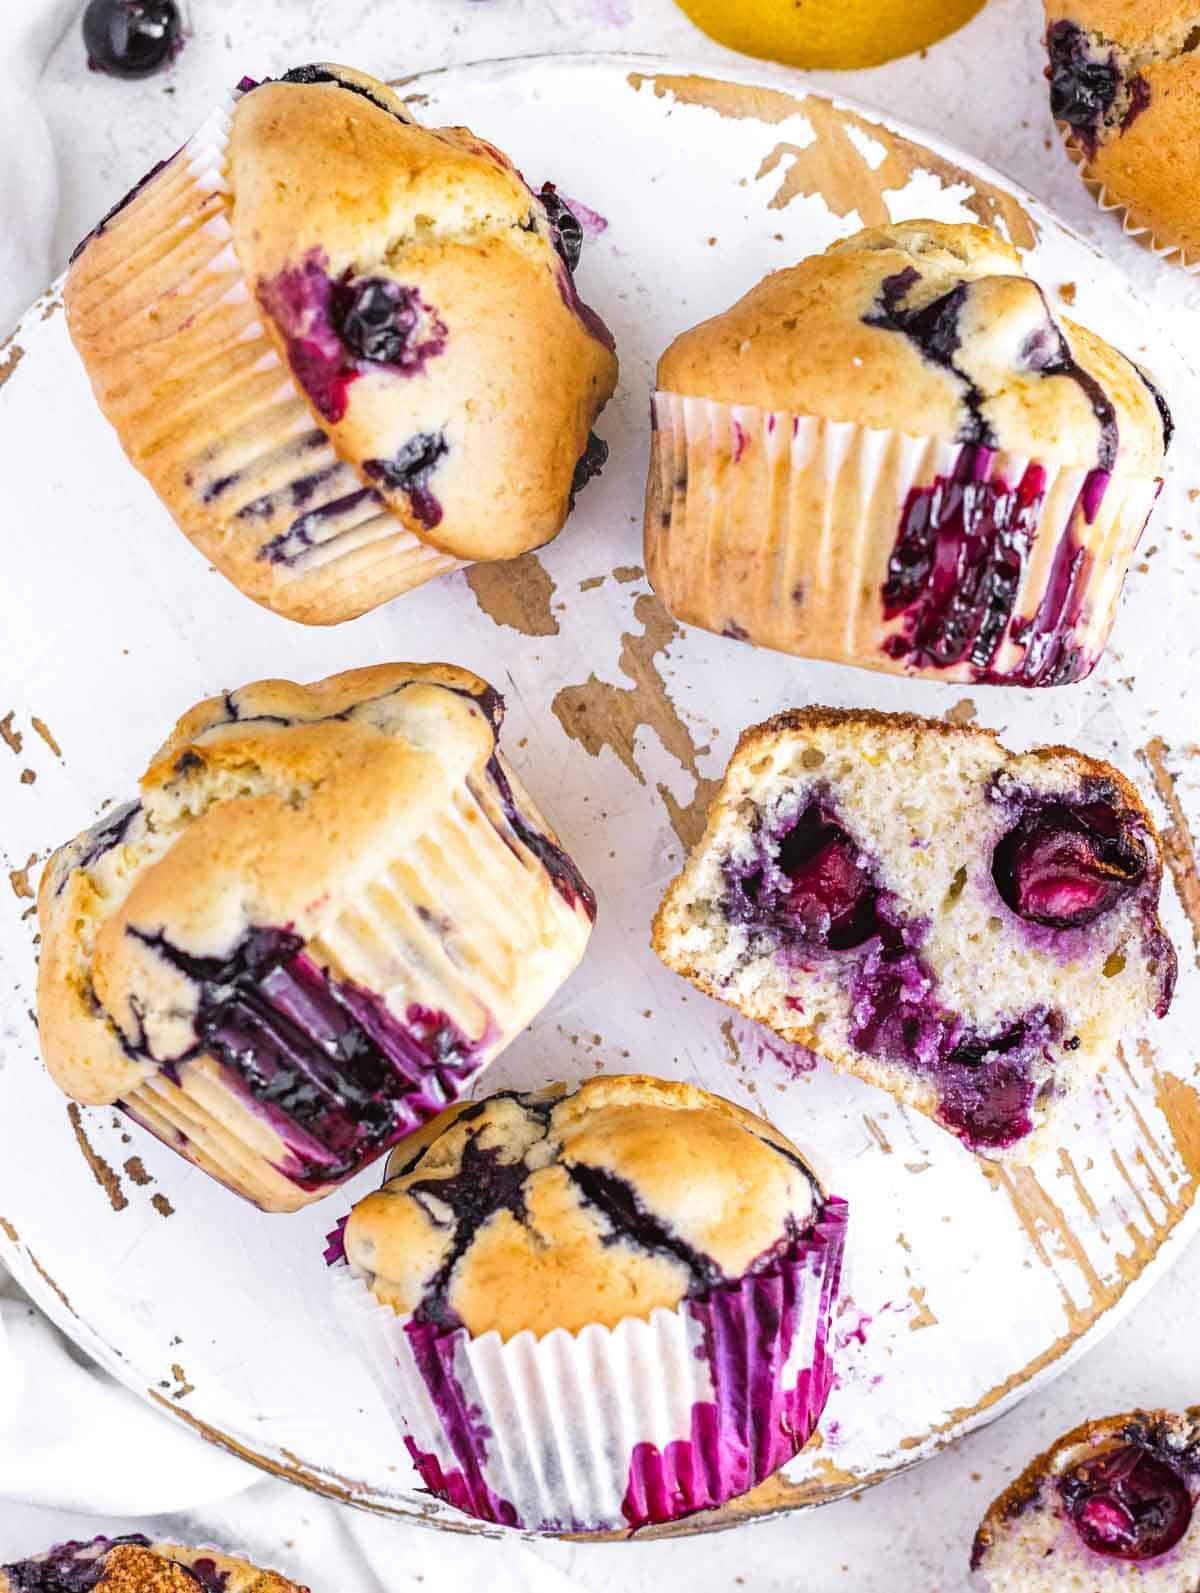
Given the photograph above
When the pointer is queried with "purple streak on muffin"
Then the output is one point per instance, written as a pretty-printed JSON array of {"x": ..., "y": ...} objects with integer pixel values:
[
  {"x": 1049, "y": 354},
  {"x": 754, "y": 1422},
  {"x": 125, "y": 199},
  {"x": 1127, "y": 1503},
  {"x": 101, "y": 838},
  {"x": 301, "y": 536},
  {"x": 410, "y": 469},
  {"x": 337, "y": 1074},
  {"x": 934, "y": 330},
  {"x": 813, "y": 892},
  {"x": 1164, "y": 409},
  {"x": 328, "y": 323},
  {"x": 564, "y": 875}
]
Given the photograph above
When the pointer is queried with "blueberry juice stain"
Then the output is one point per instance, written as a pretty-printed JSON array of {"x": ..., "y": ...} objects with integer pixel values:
[
  {"x": 340, "y": 1076},
  {"x": 813, "y": 892}
]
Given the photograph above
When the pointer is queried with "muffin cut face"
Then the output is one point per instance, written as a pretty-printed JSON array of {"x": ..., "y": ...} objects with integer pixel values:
[
  {"x": 330, "y": 907},
  {"x": 1123, "y": 83},
  {"x": 1111, "y": 1505},
  {"x": 347, "y": 351},
  {"x": 972, "y": 930},
  {"x": 894, "y": 455},
  {"x": 132, "y": 1564}
]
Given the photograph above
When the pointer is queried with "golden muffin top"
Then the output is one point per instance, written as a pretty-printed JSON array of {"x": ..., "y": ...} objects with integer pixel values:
[
  {"x": 559, "y": 1209},
  {"x": 930, "y": 329}
]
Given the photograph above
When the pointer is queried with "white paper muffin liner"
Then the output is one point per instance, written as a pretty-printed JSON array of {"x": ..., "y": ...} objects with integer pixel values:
[
  {"x": 441, "y": 960},
  {"x": 215, "y": 420},
  {"x": 613, "y": 1428},
  {"x": 783, "y": 529}
]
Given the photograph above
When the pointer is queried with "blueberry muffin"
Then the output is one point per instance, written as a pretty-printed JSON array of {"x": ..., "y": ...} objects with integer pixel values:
[
  {"x": 893, "y": 455},
  {"x": 135, "y": 1565},
  {"x": 1125, "y": 90},
  {"x": 597, "y": 1309},
  {"x": 1109, "y": 1506},
  {"x": 345, "y": 350},
  {"x": 328, "y": 909},
  {"x": 970, "y": 929}
]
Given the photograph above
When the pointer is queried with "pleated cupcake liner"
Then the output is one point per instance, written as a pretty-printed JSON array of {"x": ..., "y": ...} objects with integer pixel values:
[
  {"x": 784, "y": 529},
  {"x": 610, "y": 1429},
  {"x": 215, "y": 419},
  {"x": 438, "y": 963},
  {"x": 1141, "y": 231}
]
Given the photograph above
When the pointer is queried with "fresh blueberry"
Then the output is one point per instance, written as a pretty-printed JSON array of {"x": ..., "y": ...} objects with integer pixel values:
[{"x": 131, "y": 38}]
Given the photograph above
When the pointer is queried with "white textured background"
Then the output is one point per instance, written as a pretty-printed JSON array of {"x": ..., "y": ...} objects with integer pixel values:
[{"x": 983, "y": 90}]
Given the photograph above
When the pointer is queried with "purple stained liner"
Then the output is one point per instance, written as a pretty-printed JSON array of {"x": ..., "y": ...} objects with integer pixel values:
[
  {"x": 956, "y": 571},
  {"x": 812, "y": 890},
  {"x": 339, "y": 1076},
  {"x": 751, "y": 1426}
]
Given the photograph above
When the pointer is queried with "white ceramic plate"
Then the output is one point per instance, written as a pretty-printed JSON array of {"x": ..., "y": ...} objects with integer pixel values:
[{"x": 965, "y": 1285}]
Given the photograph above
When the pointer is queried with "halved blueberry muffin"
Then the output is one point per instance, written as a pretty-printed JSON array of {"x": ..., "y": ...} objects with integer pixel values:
[
  {"x": 345, "y": 350},
  {"x": 596, "y": 1309},
  {"x": 895, "y": 455},
  {"x": 1125, "y": 90},
  {"x": 1111, "y": 1505},
  {"x": 971, "y": 929},
  {"x": 133, "y": 1564},
  {"x": 327, "y": 911}
]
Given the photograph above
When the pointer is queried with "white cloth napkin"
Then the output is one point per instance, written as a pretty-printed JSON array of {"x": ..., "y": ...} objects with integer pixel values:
[
  {"x": 29, "y": 29},
  {"x": 71, "y": 1437}
]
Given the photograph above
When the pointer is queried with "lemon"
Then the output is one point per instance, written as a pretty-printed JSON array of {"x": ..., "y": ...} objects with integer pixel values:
[{"x": 829, "y": 33}]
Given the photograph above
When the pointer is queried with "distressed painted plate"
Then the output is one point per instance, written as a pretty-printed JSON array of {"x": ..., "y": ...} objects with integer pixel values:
[{"x": 966, "y": 1285}]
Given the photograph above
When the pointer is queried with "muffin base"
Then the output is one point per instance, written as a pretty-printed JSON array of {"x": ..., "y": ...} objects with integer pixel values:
[
  {"x": 802, "y": 534},
  {"x": 435, "y": 967},
  {"x": 614, "y": 1428}
]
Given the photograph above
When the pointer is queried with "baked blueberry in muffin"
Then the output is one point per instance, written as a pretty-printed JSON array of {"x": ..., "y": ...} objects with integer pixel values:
[
  {"x": 1111, "y": 1505},
  {"x": 971, "y": 929},
  {"x": 133, "y": 1564},
  {"x": 328, "y": 909},
  {"x": 895, "y": 455},
  {"x": 347, "y": 351},
  {"x": 597, "y": 1309},
  {"x": 1124, "y": 80}
]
